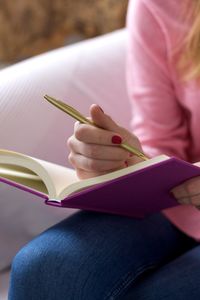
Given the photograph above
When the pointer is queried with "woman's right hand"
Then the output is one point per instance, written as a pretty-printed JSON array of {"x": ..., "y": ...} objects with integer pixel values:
[{"x": 95, "y": 151}]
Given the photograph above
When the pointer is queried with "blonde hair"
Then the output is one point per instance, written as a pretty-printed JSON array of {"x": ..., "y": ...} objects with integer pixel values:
[{"x": 189, "y": 62}]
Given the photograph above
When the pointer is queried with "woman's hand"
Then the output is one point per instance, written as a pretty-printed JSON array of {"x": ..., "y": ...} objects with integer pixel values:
[
  {"x": 95, "y": 151},
  {"x": 189, "y": 191}
]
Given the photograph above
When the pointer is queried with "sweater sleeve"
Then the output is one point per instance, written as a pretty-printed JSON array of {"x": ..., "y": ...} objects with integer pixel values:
[{"x": 157, "y": 118}]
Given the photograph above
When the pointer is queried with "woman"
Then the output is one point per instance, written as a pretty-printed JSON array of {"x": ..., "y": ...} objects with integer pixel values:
[{"x": 98, "y": 256}]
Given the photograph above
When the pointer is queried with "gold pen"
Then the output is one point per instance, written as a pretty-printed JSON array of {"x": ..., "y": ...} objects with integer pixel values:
[{"x": 78, "y": 116}]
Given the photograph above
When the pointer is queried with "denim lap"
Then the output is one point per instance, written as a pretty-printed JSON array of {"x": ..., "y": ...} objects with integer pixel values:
[
  {"x": 177, "y": 280},
  {"x": 94, "y": 256}
]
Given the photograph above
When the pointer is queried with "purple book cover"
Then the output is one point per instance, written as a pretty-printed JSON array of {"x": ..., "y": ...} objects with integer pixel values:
[{"x": 137, "y": 194}]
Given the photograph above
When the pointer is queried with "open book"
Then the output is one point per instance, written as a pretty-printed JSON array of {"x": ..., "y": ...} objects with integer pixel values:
[{"x": 136, "y": 191}]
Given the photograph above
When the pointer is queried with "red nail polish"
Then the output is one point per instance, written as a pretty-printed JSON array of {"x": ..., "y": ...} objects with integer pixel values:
[
  {"x": 116, "y": 139},
  {"x": 126, "y": 163}
]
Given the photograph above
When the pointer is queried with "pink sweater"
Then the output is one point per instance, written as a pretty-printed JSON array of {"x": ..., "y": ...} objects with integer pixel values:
[{"x": 166, "y": 112}]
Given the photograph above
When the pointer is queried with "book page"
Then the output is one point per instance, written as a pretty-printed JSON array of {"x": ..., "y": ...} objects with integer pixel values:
[
  {"x": 62, "y": 177},
  {"x": 55, "y": 177},
  {"x": 23, "y": 176}
]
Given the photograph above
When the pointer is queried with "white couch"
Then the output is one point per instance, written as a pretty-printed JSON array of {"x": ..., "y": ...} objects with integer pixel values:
[{"x": 88, "y": 72}]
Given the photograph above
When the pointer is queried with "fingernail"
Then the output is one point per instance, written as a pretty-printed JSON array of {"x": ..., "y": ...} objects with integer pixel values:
[
  {"x": 126, "y": 163},
  {"x": 130, "y": 154},
  {"x": 116, "y": 139},
  {"x": 101, "y": 109}
]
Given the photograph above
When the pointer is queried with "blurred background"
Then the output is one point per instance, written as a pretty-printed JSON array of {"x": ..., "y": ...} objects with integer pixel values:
[{"x": 30, "y": 27}]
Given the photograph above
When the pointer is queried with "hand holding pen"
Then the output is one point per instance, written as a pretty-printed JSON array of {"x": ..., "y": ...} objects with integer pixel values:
[{"x": 101, "y": 148}]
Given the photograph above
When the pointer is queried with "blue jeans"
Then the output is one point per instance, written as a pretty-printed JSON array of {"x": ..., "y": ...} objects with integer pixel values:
[{"x": 94, "y": 256}]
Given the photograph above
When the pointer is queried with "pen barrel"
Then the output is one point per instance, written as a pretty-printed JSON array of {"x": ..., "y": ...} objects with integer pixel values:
[{"x": 134, "y": 151}]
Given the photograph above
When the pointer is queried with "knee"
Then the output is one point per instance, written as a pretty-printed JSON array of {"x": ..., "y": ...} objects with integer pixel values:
[
  {"x": 37, "y": 271},
  {"x": 27, "y": 265},
  {"x": 47, "y": 262}
]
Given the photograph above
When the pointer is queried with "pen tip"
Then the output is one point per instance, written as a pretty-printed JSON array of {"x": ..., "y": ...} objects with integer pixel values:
[{"x": 48, "y": 98}]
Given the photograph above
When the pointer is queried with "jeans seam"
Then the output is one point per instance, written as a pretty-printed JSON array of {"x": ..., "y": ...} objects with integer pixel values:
[{"x": 126, "y": 280}]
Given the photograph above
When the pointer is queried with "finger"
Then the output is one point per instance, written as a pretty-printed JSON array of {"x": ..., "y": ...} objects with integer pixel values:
[
  {"x": 94, "y": 165},
  {"x": 77, "y": 123},
  {"x": 93, "y": 135},
  {"x": 195, "y": 199},
  {"x": 192, "y": 186},
  {"x": 101, "y": 119},
  {"x": 83, "y": 174},
  {"x": 192, "y": 200},
  {"x": 189, "y": 187},
  {"x": 97, "y": 151}
]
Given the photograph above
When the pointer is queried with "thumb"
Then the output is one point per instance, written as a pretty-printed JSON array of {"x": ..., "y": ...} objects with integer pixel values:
[{"x": 102, "y": 120}]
